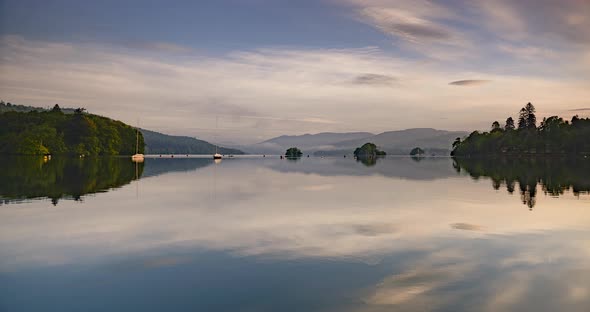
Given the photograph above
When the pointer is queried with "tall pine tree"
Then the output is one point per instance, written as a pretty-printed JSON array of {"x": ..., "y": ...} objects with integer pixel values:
[{"x": 509, "y": 124}]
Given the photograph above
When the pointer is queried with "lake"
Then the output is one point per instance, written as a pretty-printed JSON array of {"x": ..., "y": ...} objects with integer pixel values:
[{"x": 314, "y": 234}]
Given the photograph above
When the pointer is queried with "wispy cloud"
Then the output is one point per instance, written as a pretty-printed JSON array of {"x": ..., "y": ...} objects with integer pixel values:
[
  {"x": 374, "y": 79},
  {"x": 469, "y": 82},
  {"x": 583, "y": 109},
  {"x": 267, "y": 92},
  {"x": 405, "y": 25},
  {"x": 467, "y": 227}
]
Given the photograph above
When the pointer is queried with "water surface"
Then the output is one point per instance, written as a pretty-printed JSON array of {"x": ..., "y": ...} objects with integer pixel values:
[{"x": 315, "y": 234}]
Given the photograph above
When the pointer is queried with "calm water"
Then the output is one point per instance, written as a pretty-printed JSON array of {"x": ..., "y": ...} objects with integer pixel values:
[{"x": 262, "y": 234}]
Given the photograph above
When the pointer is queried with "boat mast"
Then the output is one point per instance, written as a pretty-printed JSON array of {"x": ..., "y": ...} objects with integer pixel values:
[
  {"x": 137, "y": 138},
  {"x": 216, "y": 126}
]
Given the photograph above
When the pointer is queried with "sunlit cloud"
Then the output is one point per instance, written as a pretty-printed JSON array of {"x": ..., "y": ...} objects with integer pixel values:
[
  {"x": 469, "y": 82},
  {"x": 467, "y": 227},
  {"x": 258, "y": 94}
]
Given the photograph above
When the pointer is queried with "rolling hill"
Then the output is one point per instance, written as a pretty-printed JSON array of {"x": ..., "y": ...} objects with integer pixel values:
[
  {"x": 306, "y": 142},
  {"x": 159, "y": 143},
  {"x": 393, "y": 142}
]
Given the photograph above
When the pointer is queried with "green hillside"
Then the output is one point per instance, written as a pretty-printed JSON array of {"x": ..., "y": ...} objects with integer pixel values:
[
  {"x": 54, "y": 132},
  {"x": 158, "y": 143}
]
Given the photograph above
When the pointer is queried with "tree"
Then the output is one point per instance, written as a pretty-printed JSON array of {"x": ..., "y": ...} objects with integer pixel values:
[
  {"x": 293, "y": 152},
  {"x": 553, "y": 136},
  {"x": 522, "y": 118},
  {"x": 416, "y": 151},
  {"x": 35, "y": 133},
  {"x": 79, "y": 110},
  {"x": 531, "y": 120},
  {"x": 509, "y": 124},
  {"x": 56, "y": 109},
  {"x": 496, "y": 126},
  {"x": 368, "y": 150}
]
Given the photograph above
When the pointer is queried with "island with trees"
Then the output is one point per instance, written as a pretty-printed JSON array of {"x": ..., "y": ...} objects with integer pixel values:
[
  {"x": 293, "y": 152},
  {"x": 417, "y": 152},
  {"x": 553, "y": 136},
  {"x": 55, "y": 132},
  {"x": 368, "y": 150}
]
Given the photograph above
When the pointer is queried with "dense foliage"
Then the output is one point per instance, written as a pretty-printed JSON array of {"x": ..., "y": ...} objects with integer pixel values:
[
  {"x": 554, "y": 136},
  {"x": 158, "y": 143},
  {"x": 63, "y": 177},
  {"x": 54, "y": 132},
  {"x": 293, "y": 152},
  {"x": 9, "y": 107},
  {"x": 368, "y": 150},
  {"x": 555, "y": 175},
  {"x": 416, "y": 152}
]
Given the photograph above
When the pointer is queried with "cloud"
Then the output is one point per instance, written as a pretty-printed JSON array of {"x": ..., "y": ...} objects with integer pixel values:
[
  {"x": 583, "y": 109},
  {"x": 405, "y": 25},
  {"x": 259, "y": 94},
  {"x": 469, "y": 82},
  {"x": 467, "y": 227},
  {"x": 567, "y": 21},
  {"x": 374, "y": 79},
  {"x": 527, "y": 52},
  {"x": 487, "y": 33}
]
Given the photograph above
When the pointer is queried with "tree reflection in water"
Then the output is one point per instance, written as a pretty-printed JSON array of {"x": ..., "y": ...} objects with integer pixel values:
[
  {"x": 62, "y": 177},
  {"x": 554, "y": 175},
  {"x": 368, "y": 161}
]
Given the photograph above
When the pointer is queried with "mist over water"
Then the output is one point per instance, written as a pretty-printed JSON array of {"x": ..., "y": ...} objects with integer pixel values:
[{"x": 314, "y": 234}]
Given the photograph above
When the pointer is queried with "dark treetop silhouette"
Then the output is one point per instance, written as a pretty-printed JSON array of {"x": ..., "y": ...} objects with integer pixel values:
[
  {"x": 293, "y": 152},
  {"x": 416, "y": 152},
  {"x": 554, "y": 136},
  {"x": 368, "y": 150}
]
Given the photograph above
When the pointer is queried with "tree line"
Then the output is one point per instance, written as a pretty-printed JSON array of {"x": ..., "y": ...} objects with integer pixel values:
[
  {"x": 553, "y": 136},
  {"x": 55, "y": 132}
]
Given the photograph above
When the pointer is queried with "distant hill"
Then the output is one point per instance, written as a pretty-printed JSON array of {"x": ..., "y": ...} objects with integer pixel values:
[
  {"x": 158, "y": 143},
  {"x": 393, "y": 142},
  {"x": 306, "y": 142},
  {"x": 155, "y": 142},
  {"x": 403, "y": 141}
]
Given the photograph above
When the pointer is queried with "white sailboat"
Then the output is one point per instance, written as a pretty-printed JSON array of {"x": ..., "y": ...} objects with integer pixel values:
[
  {"x": 216, "y": 155},
  {"x": 137, "y": 157}
]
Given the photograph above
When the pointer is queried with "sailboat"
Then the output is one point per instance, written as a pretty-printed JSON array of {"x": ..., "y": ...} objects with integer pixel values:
[
  {"x": 137, "y": 157},
  {"x": 216, "y": 155}
]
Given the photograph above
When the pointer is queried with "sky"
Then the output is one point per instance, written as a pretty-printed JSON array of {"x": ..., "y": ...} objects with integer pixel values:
[{"x": 245, "y": 71}]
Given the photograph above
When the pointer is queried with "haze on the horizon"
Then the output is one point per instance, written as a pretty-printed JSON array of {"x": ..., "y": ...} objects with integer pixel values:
[{"x": 266, "y": 68}]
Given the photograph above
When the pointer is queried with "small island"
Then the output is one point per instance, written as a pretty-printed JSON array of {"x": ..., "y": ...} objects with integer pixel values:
[
  {"x": 417, "y": 152},
  {"x": 293, "y": 152},
  {"x": 554, "y": 136},
  {"x": 368, "y": 150}
]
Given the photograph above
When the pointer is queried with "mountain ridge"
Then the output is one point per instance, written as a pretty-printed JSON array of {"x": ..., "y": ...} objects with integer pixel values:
[
  {"x": 160, "y": 143},
  {"x": 434, "y": 141}
]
